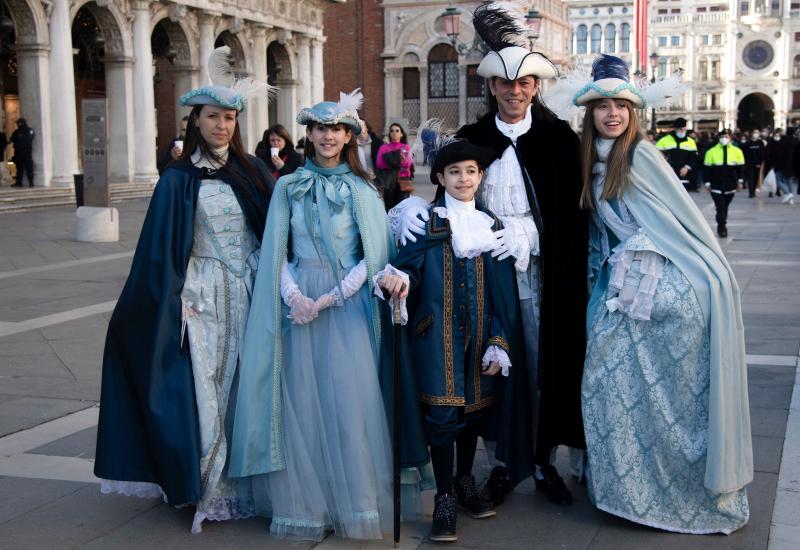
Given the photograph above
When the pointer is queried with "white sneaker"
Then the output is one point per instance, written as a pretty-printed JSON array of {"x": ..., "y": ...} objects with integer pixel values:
[
  {"x": 791, "y": 201},
  {"x": 788, "y": 198}
]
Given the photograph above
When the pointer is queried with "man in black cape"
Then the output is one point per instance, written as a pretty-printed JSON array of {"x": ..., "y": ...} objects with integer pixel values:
[{"x": 533, "y": 185}]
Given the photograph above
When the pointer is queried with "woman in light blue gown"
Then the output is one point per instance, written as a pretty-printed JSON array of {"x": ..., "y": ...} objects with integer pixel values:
[
  {"x": 310, "y": 421},
  {"x": 664, "y": 392}
]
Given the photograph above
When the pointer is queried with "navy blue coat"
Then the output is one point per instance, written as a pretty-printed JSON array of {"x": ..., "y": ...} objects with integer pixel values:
[{"x": 148, "y": 428}]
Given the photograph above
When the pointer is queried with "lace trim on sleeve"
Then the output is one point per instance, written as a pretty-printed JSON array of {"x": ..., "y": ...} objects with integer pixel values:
[
  {"x": 376, "y": 279},
  {"x": 496, "y": 353},
  {"x": 637, "y": 266}
]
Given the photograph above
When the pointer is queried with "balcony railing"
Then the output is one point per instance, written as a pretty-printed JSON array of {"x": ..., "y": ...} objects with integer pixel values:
[{"x": 720, "y": 16}]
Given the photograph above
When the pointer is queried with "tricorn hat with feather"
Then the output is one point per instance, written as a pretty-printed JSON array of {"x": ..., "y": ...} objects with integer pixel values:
[
  {"x": 501, "y": 27},
  {"x": 345, "y": 111},
  {"x": 226, "y": 90}
]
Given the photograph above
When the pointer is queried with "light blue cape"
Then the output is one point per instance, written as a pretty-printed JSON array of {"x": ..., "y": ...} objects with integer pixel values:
[
  {"x": 670, "y": 218},
  {"x": 257, "y": 442}
]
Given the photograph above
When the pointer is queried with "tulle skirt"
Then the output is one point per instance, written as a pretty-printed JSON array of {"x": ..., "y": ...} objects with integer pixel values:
[{"x": 335, "y": 434}]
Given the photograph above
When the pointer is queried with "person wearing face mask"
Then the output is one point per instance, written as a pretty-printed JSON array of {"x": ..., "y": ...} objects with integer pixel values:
[
  {"x": 753, "y": 150},
  {"x": 780, "y": 152},
  {"x": 724, "y": 164},
  {"x": 680, "y": 151}
]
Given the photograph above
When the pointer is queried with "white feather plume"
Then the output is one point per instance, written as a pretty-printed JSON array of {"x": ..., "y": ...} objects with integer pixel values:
[
  {"x": 560, "y": 97},
  {"x": 350, "y": 103},
  {"x": 431, "y": 128},
  {"x": 663, "y": 92},
  {"x": 250, "y": 87},
  {"x": 220, "y": 67}
]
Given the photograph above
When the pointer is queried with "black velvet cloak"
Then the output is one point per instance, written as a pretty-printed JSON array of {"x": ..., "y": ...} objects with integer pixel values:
[
  {"x": 550, "y": 154},
  {"x": 148, "y": 428}
]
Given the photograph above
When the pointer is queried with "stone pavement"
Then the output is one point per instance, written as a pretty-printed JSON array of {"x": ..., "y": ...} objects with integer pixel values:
[{"x": 56, "y": 296}]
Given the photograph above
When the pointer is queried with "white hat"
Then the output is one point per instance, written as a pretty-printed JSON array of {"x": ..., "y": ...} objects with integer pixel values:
[{"x": 513, "y": 62}]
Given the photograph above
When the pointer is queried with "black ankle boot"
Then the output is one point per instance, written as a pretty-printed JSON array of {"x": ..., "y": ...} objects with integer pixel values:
[
  {"x": 722, "y": 231},
  {"x": 444, "y": 519},
  {"x": 469, "y": 499},
  {"x": 553, "y": 486},
  {"x": 497, "y": 486}
]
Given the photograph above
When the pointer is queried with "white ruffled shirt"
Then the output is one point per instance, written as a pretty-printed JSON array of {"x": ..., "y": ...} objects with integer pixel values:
[
  {"x": 472, "y": 235},
  {"x": 204, "y": 162},
  {"x": 503, "y": 192}
]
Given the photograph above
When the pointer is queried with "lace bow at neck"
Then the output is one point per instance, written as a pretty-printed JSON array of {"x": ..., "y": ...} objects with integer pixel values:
[{"x": 471, "y": 229}]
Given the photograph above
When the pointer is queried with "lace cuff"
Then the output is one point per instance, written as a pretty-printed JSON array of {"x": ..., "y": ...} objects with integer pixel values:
[
  {"x": 401, "y": 303},
  {"x": 638, "y": 265},
  {"x": 522, "y": 239},
  {"x": 496, "y": 353}
]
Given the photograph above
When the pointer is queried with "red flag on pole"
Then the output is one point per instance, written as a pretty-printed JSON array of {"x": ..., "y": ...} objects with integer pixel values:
[{"x": 641, "y": 33}]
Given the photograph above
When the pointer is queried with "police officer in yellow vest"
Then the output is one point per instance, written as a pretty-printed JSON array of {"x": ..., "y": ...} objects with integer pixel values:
[
  {"x": 724, "y": 171},
  {"x": 681, "y": 153}
]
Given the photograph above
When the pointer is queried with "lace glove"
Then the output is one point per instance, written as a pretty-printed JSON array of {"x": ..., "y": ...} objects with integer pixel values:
[
  {"x": 496, "y": 354},
  {"x": 407, "y": 218},
  {"x": 302, "y": 308},
  {"x": 351, "y": 284},
  {"x": 401, "y": 302}
]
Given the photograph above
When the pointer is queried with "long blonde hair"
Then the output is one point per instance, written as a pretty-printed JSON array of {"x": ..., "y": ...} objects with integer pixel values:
[{"x": 619, "y": 159}]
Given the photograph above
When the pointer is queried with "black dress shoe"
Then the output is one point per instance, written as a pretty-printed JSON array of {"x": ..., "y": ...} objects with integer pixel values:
[
  {"x": 469, "y": 499},
  {"x": 443, "y": 528},
  {"x": 497, "y": 486},
  {"x": 553, "y": 486},
  {"x": 722, "y": 231}
]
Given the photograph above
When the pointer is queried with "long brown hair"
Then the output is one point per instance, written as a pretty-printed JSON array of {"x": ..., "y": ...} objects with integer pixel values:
[
  {"x": 194, "y": 139},
  {"x": 349, "y": 152},
  {"x": 619, "y": 159}
]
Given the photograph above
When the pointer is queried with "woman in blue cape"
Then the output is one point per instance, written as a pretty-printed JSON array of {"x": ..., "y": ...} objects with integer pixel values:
[
  {"x": 172, "y": 347},
  {"x": 664, "y": 392},
  {"x": 310, "y": 419}
]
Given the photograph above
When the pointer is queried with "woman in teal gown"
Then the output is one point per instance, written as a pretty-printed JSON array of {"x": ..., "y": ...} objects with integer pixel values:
[
  {"x": 310, "y": 425},
  {"x": 664, "y": 392}
]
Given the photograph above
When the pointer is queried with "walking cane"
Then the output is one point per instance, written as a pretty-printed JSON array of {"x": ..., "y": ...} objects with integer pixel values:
[{"x": 396, "y": 319}]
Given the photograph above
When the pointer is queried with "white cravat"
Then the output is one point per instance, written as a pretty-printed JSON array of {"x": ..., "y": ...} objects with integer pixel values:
[
  {"x": 471, "y": 228},
  {"x": 202, "y": 161},
  {"x": 516, "y": 129}
]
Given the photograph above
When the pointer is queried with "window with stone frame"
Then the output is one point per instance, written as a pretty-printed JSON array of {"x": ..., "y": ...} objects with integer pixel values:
[
  {"x": 611, "y": 38},
  {"x": 443, "y": 71},
  {"x": 625, "y": 38},
  {"x": 702, "y": 69},
  {"x": 796, "y": 67},
  {"x": 597, "y": 36},
  {"x": 582, "y": 34},
  {"x": 795, "y": 100}
]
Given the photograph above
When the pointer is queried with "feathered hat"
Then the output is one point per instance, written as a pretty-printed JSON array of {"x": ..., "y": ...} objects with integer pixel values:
[
  {"x": 438, "y": 149},
  {"x": 609, "y": 78},
  {"x": 226, "y": 90},
  {"x": 501, "y": 26},
  {"x": 345, "y": 111}
]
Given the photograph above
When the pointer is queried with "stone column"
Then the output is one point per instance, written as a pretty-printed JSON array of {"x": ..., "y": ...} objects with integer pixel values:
[
  {"x": 34, "y": 92},
  {"x": 287, "y": 108},
  {"x": 206, "y": 21},
  {"x": 317, "y": 71},
  {"x": 122, "y": 124},
  {"x": 186, "y": 77},
  {"x": 393, "y": 94},
  {"x": 259, "y": 106},
  {"x": 423, "y": 94},
  {"x": 63, "y": 111},
  {"x": 303, "y": 44},
  {"x": 144, "y": 103},
  {"x": 462, "y": 95}
]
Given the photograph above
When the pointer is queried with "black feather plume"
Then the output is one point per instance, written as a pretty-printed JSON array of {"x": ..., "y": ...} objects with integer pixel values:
[{"x": 496, "y": 27}]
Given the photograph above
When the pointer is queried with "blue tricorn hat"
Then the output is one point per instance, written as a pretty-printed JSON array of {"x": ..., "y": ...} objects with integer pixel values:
[
  {"x": 329, "y": 113},
  {"x": 218, "y": 96},
  {"x": 610, "y": 80}
]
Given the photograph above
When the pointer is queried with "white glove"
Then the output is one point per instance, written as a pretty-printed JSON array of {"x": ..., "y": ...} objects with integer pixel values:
[
  {"x": 407, "y": 218},
  {"x": 502, "y": 251},
  {"x": 326, "y": 300},
  {"x": 303, "y": 308}
]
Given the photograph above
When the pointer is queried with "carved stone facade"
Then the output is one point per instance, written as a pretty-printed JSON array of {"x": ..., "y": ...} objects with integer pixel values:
[{"x": 276, "y": 40}]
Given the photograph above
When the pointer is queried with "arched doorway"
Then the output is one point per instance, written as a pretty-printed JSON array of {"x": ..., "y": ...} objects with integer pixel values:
[
  {"x": 9, "y": 88},
  {"x": 443, "y": 85},
  {"x": 279, "y": 73},
  {"x": 755, "y": 111}
]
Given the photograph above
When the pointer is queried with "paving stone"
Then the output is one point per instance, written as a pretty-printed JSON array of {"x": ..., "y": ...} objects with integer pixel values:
[
  {"x": 78, "y": 445},
  {"x": 23, "y": 495},
  {"x": 27, "y": 412}
]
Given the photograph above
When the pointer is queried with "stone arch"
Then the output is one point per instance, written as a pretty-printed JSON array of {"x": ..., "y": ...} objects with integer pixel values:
[
  {"x": 234, "y": 42},
  {"x": 30, "y": 21},
  {"x": 180, "y": 36},
  {"x": 112, "y": 23},
  {"x": 279, "y": 63},
  {"x": 756, "y": 110},
  {"x": 430, "y": 21}
]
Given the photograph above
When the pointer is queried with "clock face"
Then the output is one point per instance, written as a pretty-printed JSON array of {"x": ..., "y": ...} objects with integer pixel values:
[{"x": 758, "y": 54}]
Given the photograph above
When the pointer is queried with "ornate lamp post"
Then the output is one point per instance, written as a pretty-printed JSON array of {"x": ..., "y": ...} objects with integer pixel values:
[
  {"x": 452, "y": 28},
  {"x": 653, "y": 65},
  {"x": 534, "y": 22}
]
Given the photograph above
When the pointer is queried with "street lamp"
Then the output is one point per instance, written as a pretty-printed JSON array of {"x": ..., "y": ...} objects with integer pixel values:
[
  {"x": 452, "y": 28},
  {"x": 534, "y": 22},
  {"x": 653, "y": 65}
]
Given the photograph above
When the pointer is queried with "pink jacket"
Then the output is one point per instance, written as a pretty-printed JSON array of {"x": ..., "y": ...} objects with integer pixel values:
[{"x": 405, "y": 167}]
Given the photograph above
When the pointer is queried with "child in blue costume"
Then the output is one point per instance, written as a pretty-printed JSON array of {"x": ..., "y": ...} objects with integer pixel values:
[
  {"x": 458, "y": 338},
  {"x": 664, "y": 392},
  {"x": 310, "y": 421}
]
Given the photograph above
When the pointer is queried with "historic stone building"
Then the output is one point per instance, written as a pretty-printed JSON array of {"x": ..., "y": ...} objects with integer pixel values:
[
  {"x": 741, "y": 58},
  {"x": 141, "y": 56}
]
